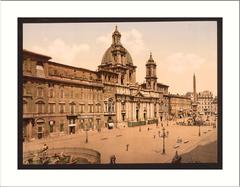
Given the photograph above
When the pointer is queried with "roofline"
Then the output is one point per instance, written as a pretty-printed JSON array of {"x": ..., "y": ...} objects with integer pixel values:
[
  {"x": 163, "y": 84},
  {"x": 178, "y": 96},
  {"x": 38, "y": 54},
  {"x": 56, "y": 63},
  {"x": 65, "y": 65}
]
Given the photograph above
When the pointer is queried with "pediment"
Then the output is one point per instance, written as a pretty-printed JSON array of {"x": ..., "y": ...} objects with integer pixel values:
[{"x": 139, "y": 94}]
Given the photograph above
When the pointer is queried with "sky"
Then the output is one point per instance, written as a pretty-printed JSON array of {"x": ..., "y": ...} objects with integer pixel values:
[{"x": 179, "y": 49}]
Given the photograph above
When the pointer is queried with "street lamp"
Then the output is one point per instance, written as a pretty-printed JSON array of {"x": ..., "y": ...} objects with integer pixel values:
[
  {"x": 86, "y": 141},
  {"x": 199, "y": 131},
  {"x": 163, "y": 136}
]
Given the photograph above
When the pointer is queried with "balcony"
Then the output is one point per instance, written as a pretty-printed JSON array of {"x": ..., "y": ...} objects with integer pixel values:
[{"x": 109, "y": 113}]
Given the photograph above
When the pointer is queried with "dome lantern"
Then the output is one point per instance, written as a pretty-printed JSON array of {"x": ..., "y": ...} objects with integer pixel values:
[
  {"x": 116, "y": 36},
  {"x": 116, "y": 53}
]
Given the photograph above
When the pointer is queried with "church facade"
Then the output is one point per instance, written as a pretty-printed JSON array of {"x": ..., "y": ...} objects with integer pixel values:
[{"x": 60, "y": 99}]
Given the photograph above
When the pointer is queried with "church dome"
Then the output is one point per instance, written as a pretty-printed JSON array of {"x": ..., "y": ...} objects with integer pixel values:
[
  {"x": 108, "y": 57},
  {"x": 116, "y": 51}
]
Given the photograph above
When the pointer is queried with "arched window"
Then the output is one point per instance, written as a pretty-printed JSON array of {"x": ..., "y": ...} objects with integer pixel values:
[
  {"x": 40, "y": 127},
  {"x": 40, "y": 106},
  {"x": 72, "y": 107}
]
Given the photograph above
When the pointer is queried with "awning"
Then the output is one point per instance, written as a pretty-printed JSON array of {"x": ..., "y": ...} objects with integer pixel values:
[
  {"x": 72, "y": 125},
  {"x": 110, "y": 124},
  {"x": 40, "y": 121}
]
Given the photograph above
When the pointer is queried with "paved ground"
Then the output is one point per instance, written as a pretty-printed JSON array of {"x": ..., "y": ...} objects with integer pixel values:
[
  {"x": 202, "y": 154},
  {"x": 143, "y": 147}
]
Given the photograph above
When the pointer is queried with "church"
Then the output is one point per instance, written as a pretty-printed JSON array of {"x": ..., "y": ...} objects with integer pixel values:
[{"x": 60, "y": 99}]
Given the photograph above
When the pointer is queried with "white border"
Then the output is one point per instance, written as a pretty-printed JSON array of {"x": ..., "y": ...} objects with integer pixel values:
[{"x": 10, "y": 176}]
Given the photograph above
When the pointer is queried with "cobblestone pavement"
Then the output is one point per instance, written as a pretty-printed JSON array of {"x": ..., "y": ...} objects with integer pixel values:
[{"x": 144, "y": 146}]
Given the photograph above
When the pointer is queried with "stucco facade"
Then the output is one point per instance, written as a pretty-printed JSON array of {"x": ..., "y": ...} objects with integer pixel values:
[{"x": 60, "y": 99}]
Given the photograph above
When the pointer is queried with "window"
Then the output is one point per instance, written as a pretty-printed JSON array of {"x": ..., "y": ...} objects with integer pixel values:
[
  {"x": 98, "y": 108},
  {"x": 51, "y": 108},
  {"x": 72, "y": 108},
  {"x": 137, "y": 114},
  {"x": 62, "y": 94},
  {"x": 145, "y": 116},
  {"x": 51, "y": 94},
  {"x": 61, "y": 127},
  {"x": 71, "y": 94},
  {"x": 40, "y": 92},
  {"x": 106, "y": 107},
  {"x": 40, "y": 129},
  {"x": 81, "y": 108},
  {"x": 123, "y": 117},
  {"x": 123, "y": 106},
  {"x": 24, "y": 91},
  {"x": 51, "y": 126},
  {"x": 82, "y": 124},
  {"x": 90, "y": 106},
  {"x": 72, "y": 121},
  {"x": 40, "y": 107},
  {"x": 61, "y": 108},
  {"x": 40, "y": 70},
  {"x": 81, "y": 93},
  {"x": 28, "y": 65},
  {"x": 122, "y": 78},
  {"x": 25, "y": 109}
]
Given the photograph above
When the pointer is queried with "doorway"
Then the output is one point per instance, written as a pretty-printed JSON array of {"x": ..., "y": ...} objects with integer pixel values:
[
  {"x": 137, "y": 115},
  {"x": 72, "y": 130}
]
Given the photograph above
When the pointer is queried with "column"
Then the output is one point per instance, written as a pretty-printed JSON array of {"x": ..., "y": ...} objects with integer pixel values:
[
  {"x": 127, "y": 110},
  {"x": 29, "y": 130}
]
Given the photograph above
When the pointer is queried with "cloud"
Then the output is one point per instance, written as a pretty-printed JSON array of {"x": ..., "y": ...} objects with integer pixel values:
[
  {"x": 131, "y": 40},
  {"x": 62, "y": 52},
  {"x": 181, "y": 62}
]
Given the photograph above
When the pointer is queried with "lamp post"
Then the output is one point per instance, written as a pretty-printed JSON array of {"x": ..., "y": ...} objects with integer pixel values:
[
  {"x": 199, "y": 131},
  {"x": 163, "y": 136},
  {"x": 86, "y": 135}
]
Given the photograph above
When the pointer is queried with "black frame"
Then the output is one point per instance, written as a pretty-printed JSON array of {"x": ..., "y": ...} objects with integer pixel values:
[{"x": 217, "y": 165}]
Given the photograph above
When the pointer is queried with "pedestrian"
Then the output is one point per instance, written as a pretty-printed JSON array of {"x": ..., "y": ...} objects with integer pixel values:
[
  {"x": 139, "y": 129},
  {"x": 159, "y": 133},
  {"x": 167, "y": 133},
  {"x": 154, "y": 136},
  {"x": 44, "y": 150},
  {"x": 113, "y": 159},
  {"x": 127, "y": 147},
  {"x": 176, "y": 159},
  {"x": 148, "y": 128}
]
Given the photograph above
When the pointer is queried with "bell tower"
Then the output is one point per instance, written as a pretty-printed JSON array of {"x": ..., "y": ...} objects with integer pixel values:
[{"x": 151, "y": 76}]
